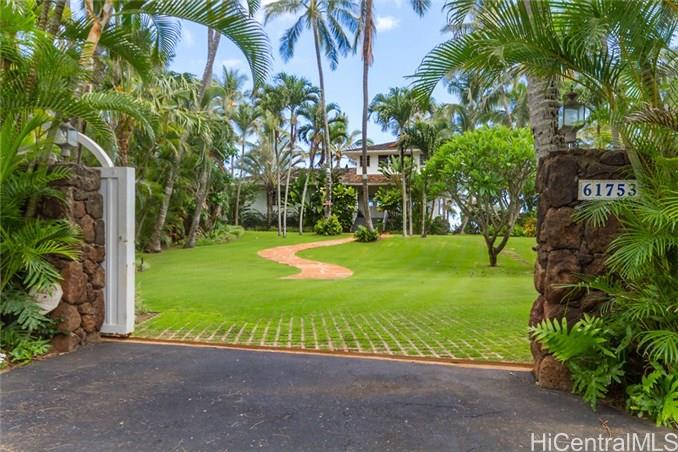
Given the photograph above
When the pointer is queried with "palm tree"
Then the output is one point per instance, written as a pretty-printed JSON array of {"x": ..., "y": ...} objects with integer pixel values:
[
  {"x": 244, "y": 119},
  {"x": 226, "y": 18},
  {"x": 328, "y": 21},
  {"x": 272, "y": 102},
  {"x": 366, "y": 32},
  {"x": 231, "y": 82},
  {"x": 427, "y": 136},
  {"x": 214, "y": 144},
  {"x": 264, "y": 163},
  {"x": 478, "y": 102},
  {"x": 311, "y": 133},
  {"x": 341, "y": 140},
  {"x": 296, "y": 92},
  {"x": 393, "y": 112}
]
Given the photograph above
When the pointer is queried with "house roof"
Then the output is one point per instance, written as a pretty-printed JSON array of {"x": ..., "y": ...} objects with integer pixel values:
[
  {"x": 390, "y": 146},
  {"x": 351, "y": 178}
]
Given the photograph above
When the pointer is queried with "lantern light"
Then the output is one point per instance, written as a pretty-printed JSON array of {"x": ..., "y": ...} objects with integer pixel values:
[
  {"x": 66, "y": 138},
  {"x": 573, "y": 115}
]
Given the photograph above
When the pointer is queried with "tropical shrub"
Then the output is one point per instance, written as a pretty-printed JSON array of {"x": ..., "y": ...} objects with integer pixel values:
[
  {"x": 362, "y": 234},
  {"x": 439, "y": 226},
  {"x": 328, "y": 226},
  {"x": 389, "y": 199},
  {"x": 222, "y": 233},
  {"x": 344, "y": 205},
  {"x": 27, "y": 243},
  {"x": 487, "y": 172}
]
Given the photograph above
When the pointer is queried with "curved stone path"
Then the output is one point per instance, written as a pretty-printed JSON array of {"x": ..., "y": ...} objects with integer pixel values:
[{"x": 309, "y": 269}]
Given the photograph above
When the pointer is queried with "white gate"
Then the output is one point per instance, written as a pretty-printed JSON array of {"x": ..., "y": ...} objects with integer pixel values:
[{"x": 117, "y": 189}]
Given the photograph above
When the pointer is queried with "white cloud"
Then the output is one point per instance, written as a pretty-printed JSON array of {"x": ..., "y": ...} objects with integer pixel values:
[
  {"x": 187, "y": 37},
  {"x": 232, "y": 63},
  {"x": 385, "y": 23}
]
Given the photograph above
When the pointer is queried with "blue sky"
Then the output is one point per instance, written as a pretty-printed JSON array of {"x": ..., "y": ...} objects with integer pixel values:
[{"x": 402, "y": 40}]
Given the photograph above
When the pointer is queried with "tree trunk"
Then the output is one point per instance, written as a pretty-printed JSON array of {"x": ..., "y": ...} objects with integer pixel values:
[
  {"x": 44, "y": 14},
  {"x": 305, "y": 190},
  {"x": 326, "y": 127},
  {"x": 277, "y": 181},
  {"x": 287, "y": 190},
  {"x": 542, "y": 95},
  {"x": 213, "y": 38},
  {"x": 423, "y": 210},
  {"x": 403, "y": 189},
  {"x": 236, "y": 214},
  {"x": 493, "y": 256},
  {"x": 269, "y": 207},
  {"x": 99, "y": 23},
  {"x": 410, "y": 205},
  {"x": 367, "y": 60},
  {"x": 55, "y": 23},
  {"x": 154, "y": 245},
  {"x": 122, "y": 133},
  {"x": 464, "y": 223},
  {"x": 199, "y": 202},
  {"x": 303, "y": 199}
]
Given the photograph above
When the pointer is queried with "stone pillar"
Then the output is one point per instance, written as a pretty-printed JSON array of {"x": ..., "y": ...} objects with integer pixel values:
[
  {"x": 80, "y": 312},
  {"x": 565, "y": 248}
]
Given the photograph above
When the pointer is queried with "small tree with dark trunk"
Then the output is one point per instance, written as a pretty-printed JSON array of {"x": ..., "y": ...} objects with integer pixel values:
[{"x": 486, "y": 172}]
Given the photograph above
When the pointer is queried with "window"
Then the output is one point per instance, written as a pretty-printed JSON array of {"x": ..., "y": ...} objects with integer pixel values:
[
  {"x": 383, "y": 160},
  {"x": 360, "y": 162}
]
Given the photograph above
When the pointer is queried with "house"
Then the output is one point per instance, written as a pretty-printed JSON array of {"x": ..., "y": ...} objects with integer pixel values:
[{"x": 377, "y": 156}]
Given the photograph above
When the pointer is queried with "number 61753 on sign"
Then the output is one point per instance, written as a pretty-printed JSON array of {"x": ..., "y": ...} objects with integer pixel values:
[{"x": 606, "y": 189}]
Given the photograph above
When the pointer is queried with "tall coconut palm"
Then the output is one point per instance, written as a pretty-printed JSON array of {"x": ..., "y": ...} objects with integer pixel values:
[
  {"x": 218, "y": 141},
  {"x": 228, "y": 18},
  {"x": 426, "y": 136},
  {"x": 264, "y": 163},
  {"x": 366, "y": 32},
  {"x": 329, "y": 21},
  {"x": 272, "y": 103},
  {"x": 296, "y": 92},
  {"x": 341, "y": 140},
  {"x": 312, "y": 133},
  {"x": 244, "y": 119},
  {"x": 394, "y": 111},
  {"x": 232, "y": 83}
]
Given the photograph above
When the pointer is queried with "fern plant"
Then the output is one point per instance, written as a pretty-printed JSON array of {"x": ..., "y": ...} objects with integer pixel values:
[
  {"x": 656, "y": 396},
  {"x": 593, "y": 351}
]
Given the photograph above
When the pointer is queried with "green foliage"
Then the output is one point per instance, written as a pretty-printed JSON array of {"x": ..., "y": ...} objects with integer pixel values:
[
  {"x": 27, "y": 244},
  {"x": 487, "y": 173},
  {"x": 24, "y": 330},
  {"x": 344, "y": 204},
  {"x": 656, "y": 396},
  {"x": 20, "y": 346},
  {"x": 589, "y": 352},
  {"x": 362, "y": 234},
  {"x": 27, "y": 248},
  {"x": 328, "y": 226},
  {"x": 439, "y": 226},
  {"x": 221, "y": 234}
]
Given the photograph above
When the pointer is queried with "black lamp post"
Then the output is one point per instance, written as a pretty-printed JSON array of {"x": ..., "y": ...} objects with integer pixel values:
[{"x": 572, "y": 116}]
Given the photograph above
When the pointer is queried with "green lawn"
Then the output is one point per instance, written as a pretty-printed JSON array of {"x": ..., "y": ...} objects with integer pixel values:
[{"x": 432, "y": 297}]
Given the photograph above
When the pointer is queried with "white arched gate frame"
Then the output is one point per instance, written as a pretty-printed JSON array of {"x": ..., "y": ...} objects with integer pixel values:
[{"x": 117, "y": 189}]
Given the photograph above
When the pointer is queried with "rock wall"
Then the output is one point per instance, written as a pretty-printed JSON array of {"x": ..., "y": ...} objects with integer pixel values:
[
  {"x": 80, "y": 312},
  {"x": 565, "y": 248}
]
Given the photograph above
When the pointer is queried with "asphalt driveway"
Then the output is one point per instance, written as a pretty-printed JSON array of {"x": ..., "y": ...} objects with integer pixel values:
[{"x": 125, "y": 397}]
